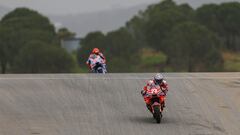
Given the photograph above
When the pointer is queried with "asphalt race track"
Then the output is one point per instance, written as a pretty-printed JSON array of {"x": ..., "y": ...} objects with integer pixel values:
[{"x": 88, "y": 104}]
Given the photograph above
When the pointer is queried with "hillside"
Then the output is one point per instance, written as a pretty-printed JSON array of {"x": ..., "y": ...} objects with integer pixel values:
[{"x": 107, "y": 20}]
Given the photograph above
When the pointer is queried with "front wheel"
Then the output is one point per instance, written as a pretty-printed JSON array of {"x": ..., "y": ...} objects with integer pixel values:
[
  {"x": 100, "y": 70},
  {"x": 157, "y": 114}
]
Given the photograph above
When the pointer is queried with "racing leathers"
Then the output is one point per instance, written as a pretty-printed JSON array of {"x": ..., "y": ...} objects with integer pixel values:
[{"x": 93, "y": 58}]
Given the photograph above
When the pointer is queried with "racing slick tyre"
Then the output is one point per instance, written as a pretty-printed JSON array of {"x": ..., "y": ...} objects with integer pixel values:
[{"x": 157, "y": 114}]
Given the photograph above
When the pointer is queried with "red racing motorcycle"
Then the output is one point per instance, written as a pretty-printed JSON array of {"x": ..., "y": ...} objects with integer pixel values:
[{"x": 156, "y": 98}]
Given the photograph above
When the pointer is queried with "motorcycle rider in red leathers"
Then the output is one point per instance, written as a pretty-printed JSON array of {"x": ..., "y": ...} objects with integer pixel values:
[
  {"x": 159, "y": 83},
  {"x": 97, "y": 52}
]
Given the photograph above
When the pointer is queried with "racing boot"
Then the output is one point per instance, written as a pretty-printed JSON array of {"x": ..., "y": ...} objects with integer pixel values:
[
  {"x": 149, "y": 107},
  {"x": 163, "y": 105}
]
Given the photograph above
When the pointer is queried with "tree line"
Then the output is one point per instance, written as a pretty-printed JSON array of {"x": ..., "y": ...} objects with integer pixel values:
[
  {"x": 164, "y": 37},
  {"x": 170, "y": 37},
  {"x": 29, "y": 44}
]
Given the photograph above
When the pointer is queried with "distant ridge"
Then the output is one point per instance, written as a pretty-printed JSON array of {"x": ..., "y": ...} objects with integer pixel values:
[
  {"x": 107, "y": 20},
  {"x": 104, "y": 21}
]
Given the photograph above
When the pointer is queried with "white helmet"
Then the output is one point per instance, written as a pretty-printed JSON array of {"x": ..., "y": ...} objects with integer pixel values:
[{"x": 158, "y": 78}]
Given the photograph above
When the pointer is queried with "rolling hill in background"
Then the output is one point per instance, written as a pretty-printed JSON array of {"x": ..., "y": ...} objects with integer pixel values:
[
  {"x": 109, "y": 20},
  {"x": 87, "y": 22},
  {"x": 104, "y": 21}
]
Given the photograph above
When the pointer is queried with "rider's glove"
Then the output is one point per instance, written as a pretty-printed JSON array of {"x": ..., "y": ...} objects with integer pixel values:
[
  {"x": 143, "y": 92},
  {"x": 165, "y": 92}
]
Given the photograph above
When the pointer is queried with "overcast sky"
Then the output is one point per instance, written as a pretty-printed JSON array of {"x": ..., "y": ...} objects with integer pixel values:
[
  {"x": 82, "y": 6},
  {"x": 72, "y": 6}
]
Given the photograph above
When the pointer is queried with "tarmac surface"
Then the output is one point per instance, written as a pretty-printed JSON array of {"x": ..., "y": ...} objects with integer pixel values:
[{"x": 111, "y": 104}]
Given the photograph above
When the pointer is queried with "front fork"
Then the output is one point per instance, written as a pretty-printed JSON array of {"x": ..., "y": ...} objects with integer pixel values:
[
  {"x": 156, "y": 104},
  {"x": 161, "y": 104},
  {"x": 150, "y": 107}
]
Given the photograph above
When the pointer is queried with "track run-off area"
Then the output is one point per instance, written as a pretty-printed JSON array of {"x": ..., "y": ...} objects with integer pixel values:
[{"x": 111, "y": 104}]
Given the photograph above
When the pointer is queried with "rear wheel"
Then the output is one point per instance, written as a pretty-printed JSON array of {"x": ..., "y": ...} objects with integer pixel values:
[{"x": 157, "y": 114}]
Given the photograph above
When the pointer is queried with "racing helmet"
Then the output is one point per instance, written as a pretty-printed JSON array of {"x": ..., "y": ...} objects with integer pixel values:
[
  {"x": 95, "y": 51},
  {"x": 158, "y": 78}
]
